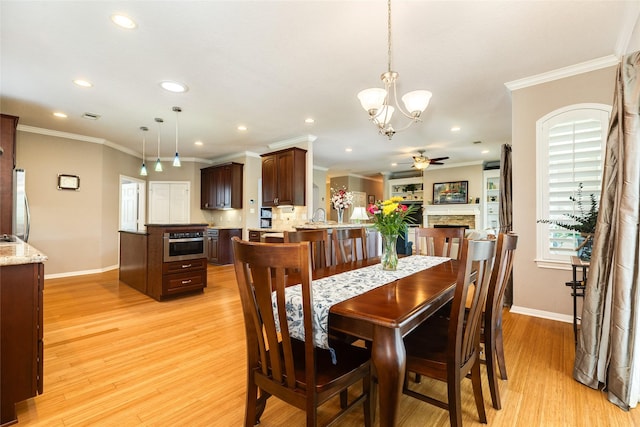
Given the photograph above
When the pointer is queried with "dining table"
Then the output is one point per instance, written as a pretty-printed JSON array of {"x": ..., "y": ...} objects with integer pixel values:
[{"x": 385, "y": 312}]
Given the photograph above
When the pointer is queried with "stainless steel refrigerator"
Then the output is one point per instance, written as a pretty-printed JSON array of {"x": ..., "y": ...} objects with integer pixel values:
[{"x": 21, "y": 216}]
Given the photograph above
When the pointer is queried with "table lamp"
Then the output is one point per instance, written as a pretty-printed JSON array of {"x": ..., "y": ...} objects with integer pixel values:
[{"x": 358, "y": 215}]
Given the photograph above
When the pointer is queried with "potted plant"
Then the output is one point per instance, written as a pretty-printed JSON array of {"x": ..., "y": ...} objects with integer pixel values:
[{"x": 584, "y": 222}]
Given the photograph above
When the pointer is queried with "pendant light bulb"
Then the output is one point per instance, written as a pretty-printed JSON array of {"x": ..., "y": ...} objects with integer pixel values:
[
  {"x": 176, "y": 159},
  {"x": 143, "y": 169},
  {"x": 158, "y": 167}
]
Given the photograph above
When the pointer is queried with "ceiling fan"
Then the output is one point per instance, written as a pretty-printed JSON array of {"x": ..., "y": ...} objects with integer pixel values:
[{"x": 423, "y": 162}]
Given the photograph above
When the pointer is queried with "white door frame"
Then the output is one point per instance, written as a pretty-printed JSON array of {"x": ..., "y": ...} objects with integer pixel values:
[{"x": 141, "y": 201}]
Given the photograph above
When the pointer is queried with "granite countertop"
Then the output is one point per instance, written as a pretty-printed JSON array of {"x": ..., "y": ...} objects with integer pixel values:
[
  {"x": 224, "y": 227},
  {"x": 321, "y": 225},
  {"x": 19, "y": 252}
]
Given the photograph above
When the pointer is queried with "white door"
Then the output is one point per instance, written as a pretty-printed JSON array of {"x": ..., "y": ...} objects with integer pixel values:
[
  {"x": 169, "y": 202},
  {"x": 132, "y": 203}
]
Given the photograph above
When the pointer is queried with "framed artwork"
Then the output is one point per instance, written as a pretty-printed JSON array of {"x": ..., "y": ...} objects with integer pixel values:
[
  {"x": 450, "y": 192},
  {"x": 371, "y": 199},
  {"x": 68, "y": 182}
]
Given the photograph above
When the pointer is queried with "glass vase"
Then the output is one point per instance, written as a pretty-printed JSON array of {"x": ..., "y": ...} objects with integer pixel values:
[
  {"x": 340, "y": 214},
  {"x": 389, "y": 252}
]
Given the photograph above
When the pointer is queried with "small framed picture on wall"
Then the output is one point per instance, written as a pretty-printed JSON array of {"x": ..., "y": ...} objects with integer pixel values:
[{"x": 371, "y": 199}]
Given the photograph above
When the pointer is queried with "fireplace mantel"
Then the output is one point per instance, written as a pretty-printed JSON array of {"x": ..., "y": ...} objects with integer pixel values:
[{"x": 472, "y": 209}]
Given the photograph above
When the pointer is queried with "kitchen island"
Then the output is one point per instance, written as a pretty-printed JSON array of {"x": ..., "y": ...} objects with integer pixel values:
[
  {"x": 21, "y": 348},
  {"x": 164, "y": 261}
]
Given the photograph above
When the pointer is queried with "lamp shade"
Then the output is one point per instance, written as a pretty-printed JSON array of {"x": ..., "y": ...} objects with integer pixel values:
[
  {"x": 416, "y": 101},
  {"x": 358, "y": 214},
  {"x": 384, "y": 116},
  {"x": 421, "y": 165},
  {"x": 372, "y": 99}
]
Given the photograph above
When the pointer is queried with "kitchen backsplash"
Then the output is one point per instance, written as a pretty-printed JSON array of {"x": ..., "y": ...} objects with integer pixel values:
[{"x": 284, "y": 219}]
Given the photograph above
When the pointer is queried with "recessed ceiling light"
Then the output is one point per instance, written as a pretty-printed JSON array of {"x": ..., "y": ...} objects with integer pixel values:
[
  {"x": 455, "y": 129},
  {"x": 82, "y": 83},
  {"x": 242, "y": 128},
  {"x": 172, "y": 86},
  {"x": 348, "y": 150},
  {"x": 198, "y": 143},
  {"x": 123, "y": 21},
  {"x": 309, "y": 120},
  {"x": 61, "y": 115},
  {"x": 485, "y": 151},
  {"x": 394, "y": 164}
]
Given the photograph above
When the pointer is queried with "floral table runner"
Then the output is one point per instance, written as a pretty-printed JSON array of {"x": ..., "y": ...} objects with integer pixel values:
[{"x": 340, "y": 287}]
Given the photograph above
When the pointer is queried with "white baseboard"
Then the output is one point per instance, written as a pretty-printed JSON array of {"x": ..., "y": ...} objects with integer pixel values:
[
  {"x": 541, "y": 314},
  {"x": 80, "y": 273}
]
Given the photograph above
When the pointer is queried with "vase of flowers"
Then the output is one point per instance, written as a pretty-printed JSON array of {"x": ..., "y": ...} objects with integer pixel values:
[
  {"x": 584, "y": 223},
  {"x": 391, "y": 219},
  {"x": 341, "y": 199}
]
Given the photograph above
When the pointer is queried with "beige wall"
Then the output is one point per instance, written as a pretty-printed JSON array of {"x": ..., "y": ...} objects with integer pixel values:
[
  {"x": 78, "y": 230},
  {"x": 535, "y": 288}
]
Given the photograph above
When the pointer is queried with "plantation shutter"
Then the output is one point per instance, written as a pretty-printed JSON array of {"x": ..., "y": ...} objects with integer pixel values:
[{"x": 575, "y": 142}]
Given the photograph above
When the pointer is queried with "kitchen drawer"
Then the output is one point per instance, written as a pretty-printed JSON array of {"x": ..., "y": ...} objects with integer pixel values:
[
  {"x": 184, "y": 266},
  {"x": 254, "y": 236},
  {"x": 184, "y": 281}
]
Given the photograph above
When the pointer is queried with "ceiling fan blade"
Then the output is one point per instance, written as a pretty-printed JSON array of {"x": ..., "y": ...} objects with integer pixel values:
[{"x": 437, "y": 159}]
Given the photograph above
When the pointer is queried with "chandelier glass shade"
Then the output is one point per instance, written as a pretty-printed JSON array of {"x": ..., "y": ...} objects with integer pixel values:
[
  {"x": 378, "y": 102},
  {"x": 158, "y": 167},
  {"x": 176, "y": 159},
  {"x": 143, "y": 169}
]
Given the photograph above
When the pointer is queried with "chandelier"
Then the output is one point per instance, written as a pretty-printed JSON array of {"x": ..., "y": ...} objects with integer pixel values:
[{"x": 376, "y": 101}]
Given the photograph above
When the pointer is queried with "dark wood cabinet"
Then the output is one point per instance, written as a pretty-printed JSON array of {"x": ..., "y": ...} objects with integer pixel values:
[
  {"x": 143, "y": 266},
  {"x": 8, "y": 126},
  {"x": 219, "y": 248},
  {"x": 284, "y": 177},
  {"x": 21, "y": 348},
  {"x": 254, "y": 236},
  {"x": 221, "y": 186}
]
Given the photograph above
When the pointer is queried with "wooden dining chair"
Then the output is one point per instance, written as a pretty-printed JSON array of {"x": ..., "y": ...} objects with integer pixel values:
[
  {"x": 447, "y": 349},
  {"x": 491, "y": 331},
  {"x": 349, "y": 244},
  {"x": 277, "y": 364},
  {"x": 439, "y": 241},
  {"x": 320, "y": 243}
]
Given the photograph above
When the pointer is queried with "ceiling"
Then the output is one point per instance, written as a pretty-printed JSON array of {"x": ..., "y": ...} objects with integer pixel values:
[{"x": 269, "y": 65}]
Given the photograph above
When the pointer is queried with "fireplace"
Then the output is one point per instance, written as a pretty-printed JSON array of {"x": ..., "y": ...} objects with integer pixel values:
[{"x": 467, "y": 215}]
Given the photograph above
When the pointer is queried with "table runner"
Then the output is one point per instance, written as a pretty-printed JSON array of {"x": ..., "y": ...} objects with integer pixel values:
[{"x": 340, "y": 287}]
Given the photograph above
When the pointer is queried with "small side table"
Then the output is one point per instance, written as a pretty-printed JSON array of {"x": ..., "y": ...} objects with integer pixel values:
[{"x": 578, "y": 285}]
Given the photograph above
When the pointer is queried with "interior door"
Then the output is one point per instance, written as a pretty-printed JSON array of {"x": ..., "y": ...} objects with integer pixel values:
[{"x": 129, "y": 206}]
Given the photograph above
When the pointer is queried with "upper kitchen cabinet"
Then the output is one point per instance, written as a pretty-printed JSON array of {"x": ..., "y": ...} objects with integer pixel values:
[
  {"x": 8, "y": 125},
  {"x": 221, "y": 186},
  {"x": 284, "y": 177}
]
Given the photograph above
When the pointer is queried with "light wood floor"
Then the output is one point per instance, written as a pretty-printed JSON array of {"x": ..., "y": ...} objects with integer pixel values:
[{"x": 116, "y": 357}]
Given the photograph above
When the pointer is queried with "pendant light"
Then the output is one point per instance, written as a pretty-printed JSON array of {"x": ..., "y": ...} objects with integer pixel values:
[
  {"x": 176, "y": 159},
  {"x": 158, "y": 167},
  {"x": 377, "y": 101},
  {"x": 143, "y": 169}
]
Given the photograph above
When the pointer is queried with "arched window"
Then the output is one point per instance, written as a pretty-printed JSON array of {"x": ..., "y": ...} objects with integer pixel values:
[{"x": 570, "y": 152}]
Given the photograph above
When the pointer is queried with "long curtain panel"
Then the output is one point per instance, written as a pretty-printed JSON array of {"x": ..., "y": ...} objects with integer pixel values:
[
  {"x": 608, "y": 351},
  {"x": 505, "y": 208}
]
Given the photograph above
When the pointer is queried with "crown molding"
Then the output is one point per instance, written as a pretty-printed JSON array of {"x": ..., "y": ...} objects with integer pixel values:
[
  {"x": 101, "y": 141},
  {"x": 561, "y": 73},
  {"x": 292, "y": 141}
]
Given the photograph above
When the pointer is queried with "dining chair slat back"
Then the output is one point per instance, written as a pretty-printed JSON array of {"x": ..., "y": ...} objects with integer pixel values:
[
  {"x": 278, "y": 365},
  {"x": 319, "y": 245},
  {"x": 349, "y": 244},
  {"x": 439, "y": 241},
  {"x": 491, "y": 334},
  {"x": 447, "y": 348}
]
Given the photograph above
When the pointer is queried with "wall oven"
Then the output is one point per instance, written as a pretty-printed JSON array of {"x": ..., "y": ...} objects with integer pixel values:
[{"x": 184, "y": 245}]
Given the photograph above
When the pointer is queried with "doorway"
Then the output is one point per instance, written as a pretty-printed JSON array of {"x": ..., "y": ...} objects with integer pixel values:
[{"x": 132, "y": 203}]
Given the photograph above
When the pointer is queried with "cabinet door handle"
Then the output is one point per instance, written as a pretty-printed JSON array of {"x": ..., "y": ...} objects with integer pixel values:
[
  {"x": 186, "y": 265},
  {"x": 186, "y": 282}
]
